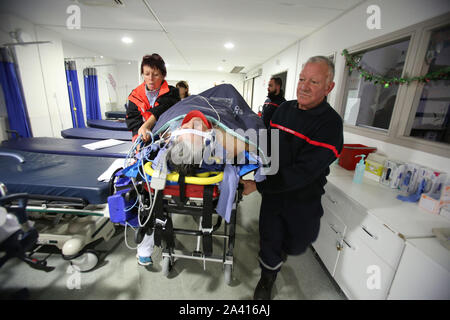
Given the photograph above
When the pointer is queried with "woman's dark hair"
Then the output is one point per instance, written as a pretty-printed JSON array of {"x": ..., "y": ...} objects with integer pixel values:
[
  {"x": 183, "y": 84},
  {"x": 154, "y": 61}
]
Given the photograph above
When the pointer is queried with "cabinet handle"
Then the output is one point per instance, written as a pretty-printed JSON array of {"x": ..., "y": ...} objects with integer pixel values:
[
  {"x": 370, "y": 234},
  {"x": 348, "y": 244},
  {"x": 329, "y": 198},
  {"x": 332, "y": 228}
]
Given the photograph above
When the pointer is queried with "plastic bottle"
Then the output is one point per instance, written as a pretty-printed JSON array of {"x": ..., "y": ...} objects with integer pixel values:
[{"x": 359, "y": 170}]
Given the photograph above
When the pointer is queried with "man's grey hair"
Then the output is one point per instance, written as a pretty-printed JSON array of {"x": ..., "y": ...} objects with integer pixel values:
[{"x": 330, "y": 64}]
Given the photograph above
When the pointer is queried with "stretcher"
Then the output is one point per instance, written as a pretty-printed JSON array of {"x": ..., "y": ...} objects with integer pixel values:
[
  {"x": 95, "y": 134},
  {"x": 119, "y": 125},
  {"x": 66, "y": 146},
  {"x": 65, "y": 201},
  {"x": 148, "y": 191}
]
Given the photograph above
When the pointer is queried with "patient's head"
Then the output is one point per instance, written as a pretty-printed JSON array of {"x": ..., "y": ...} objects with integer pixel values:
[{"x": 187, "y": 152}]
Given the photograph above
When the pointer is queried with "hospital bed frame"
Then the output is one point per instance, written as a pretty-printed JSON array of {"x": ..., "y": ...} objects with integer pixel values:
[{"x": 71, "y": 224}]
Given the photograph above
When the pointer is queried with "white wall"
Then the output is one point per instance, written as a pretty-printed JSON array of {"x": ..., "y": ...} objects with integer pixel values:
[
  {"x": 200, "y": 81},
  {"x": 284, "y": 61},
  {"x": 43, "y": 79},
  {"x": 128, "y": 79},
  {"x": 350, "y": 30}
]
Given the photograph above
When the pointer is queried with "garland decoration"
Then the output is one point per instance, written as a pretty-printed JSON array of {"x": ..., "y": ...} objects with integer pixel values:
[{"x": 352, "y": 61}]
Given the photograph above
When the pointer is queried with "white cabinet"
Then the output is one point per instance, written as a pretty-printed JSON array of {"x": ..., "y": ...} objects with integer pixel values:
[
  {"x": 360, "y": 273},
  {"x": 362, "y": 239},
  {"x": 329, "y": 240},
  {"x": 423, "y": 272}
]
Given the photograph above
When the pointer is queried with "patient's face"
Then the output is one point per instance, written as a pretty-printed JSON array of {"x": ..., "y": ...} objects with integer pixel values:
[
  {"x": 189, "y": 148},
  {"x": 192, "y": 139}
]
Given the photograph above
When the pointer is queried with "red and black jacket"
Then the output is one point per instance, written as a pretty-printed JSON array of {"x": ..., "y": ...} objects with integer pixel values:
[
  {"x": 309, "y": 141},
  {"x": 139, "y": 108}
]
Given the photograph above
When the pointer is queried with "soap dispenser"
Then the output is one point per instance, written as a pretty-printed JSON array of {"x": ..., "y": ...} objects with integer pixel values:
[{"x": 359, "y": 170}]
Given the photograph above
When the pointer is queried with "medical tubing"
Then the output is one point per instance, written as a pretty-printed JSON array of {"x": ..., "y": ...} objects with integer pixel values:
[
  {"x": 125, "y": 237},
  {"x": 128, "y": 209}
]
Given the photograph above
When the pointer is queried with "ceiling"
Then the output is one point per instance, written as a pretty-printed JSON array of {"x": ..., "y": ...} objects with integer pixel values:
[{"x": 188, "y": 34}]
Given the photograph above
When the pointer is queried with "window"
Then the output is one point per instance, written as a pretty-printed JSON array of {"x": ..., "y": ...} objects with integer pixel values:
[
  {"x": 431, "y": 118},
  {"x": 370, "y": 104},
  {"x": 413, "y": 114}
]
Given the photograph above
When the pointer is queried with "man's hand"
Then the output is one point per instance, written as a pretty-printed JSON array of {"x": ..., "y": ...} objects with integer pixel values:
[{"x": 249, "y": 186}]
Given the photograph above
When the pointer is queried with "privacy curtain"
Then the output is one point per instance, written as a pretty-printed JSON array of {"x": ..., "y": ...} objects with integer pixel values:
[
  {"x": 93, "y": 111},
  {"x": 12, "y": 91},
  {"x": 76, "y": 108}
]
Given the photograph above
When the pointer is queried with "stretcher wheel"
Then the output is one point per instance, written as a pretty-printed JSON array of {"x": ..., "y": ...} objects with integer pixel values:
[
  {"x": 86, "y": 262},
  {"x": 166, "y": 266},
  {"x": 227, "y": 272}
]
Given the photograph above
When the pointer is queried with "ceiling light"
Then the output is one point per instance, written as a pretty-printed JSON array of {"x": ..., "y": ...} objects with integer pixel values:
[
  {"x": 229, "y": 45},
  {"x": 127, "y": 40},
  {"x": 220, "y": 68}
]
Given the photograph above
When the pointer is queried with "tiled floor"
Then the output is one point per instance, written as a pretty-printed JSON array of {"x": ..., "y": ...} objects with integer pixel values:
[{"x": 118, "y": 276}]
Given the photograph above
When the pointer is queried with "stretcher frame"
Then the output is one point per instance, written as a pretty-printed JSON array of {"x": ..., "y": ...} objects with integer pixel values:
[{"x": 194, "y": 206}]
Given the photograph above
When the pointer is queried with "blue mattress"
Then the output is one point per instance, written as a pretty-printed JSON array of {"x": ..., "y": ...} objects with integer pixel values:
[
  {"x": 115, "y": 114},
  {"x": 55, "y": 174},
  {"x": 66, "y": 146},
  {"x": 95, "y": 134},
  {"x": 108, "y": 124}
]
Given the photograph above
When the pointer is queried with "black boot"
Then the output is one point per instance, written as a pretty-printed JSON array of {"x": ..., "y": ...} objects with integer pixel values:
[{"x": 263, "y": 289}]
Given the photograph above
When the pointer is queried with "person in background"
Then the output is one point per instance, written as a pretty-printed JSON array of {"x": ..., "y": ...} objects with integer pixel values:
[
  {"x": 145, "y": 104},
  {"x": 275, "y": 98},
  {"x": 151, "y": 98},
  {"x": 310, "y": 139},
  {"x": 183, "y": 88}
]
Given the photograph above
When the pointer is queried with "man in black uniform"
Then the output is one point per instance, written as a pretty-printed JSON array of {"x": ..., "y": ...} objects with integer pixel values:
[
  {"x": 275, "y": 97},
  {"x": 310, "y": 139}
]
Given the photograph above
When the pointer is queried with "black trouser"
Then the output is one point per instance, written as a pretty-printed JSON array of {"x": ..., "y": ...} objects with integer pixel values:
[{"x": 287, "y": 225}]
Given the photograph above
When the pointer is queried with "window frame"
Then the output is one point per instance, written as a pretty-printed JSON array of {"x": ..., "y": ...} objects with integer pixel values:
[{"x": 407, "y": 95}]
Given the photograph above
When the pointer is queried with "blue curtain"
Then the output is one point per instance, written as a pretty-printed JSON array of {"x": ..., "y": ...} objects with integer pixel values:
[
  {"x": 76, "y": 108},
  {"x": 93, "y": 111},
  {"x": 12, "y": 91}
]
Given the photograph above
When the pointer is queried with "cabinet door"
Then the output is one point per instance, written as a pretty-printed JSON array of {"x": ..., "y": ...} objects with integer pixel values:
[
  {"x": 360, "y": 273},
  {"x": 420, "y": 277},
  {"x": 329, "y": 240}
]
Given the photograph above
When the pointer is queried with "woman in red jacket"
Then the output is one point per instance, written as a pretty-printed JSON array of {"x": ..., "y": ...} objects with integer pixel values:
[
  {"x": 145, "y": 104},
  {"x": 151, "y": 98}
]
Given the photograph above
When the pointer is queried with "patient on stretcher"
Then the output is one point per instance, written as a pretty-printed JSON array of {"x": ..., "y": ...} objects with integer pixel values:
[{"x": 195, "y": 136}]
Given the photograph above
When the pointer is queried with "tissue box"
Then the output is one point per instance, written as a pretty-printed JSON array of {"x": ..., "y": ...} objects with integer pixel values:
[
  {"x": 374, "y": 166},
  {"x": 429, "y": 204}
]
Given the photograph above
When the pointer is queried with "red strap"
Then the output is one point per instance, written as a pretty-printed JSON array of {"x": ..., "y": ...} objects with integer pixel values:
[
  {"x": 301, "y": 136},
  {"x": 271, "y": 103}
]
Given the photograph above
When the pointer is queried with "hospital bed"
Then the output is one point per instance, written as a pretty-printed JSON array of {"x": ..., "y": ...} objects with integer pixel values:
[
  {"x": 108, "y": 124},
  {"x": 65, "y": 200},
  {"x": 67, "y": 147},
  {"x": 115, "y": 114},
  {"x": 95, "y": 134}
]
